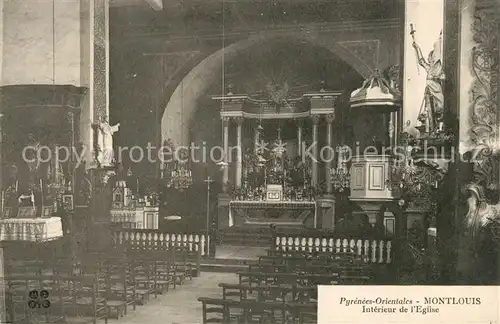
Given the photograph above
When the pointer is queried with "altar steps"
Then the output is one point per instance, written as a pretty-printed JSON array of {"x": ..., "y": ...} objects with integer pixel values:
[
  {"x": 223, "y": 265},
  {"x": 246, "y": 236},
  {"x": 232, "y": 258}
]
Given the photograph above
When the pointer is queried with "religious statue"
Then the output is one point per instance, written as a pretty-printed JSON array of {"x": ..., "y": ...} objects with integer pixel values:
[
  {"x": 480, "y": 213},
  {"x": 277, "y": 93},
  {"x": 480, "y": 242},
  {"x": 105, "y": 154},
  {"x": 433, "y": 104}
]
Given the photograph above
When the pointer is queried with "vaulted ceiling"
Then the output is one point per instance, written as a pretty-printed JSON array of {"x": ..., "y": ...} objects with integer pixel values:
[
  {"x": 148, "y": 36},
  {"x": 131, "y": 18}
]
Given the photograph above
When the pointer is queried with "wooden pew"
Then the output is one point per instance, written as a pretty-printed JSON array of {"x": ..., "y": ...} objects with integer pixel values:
[
  {"x": 225, "y": 311},
  {"x": 305, "y": 253},
  {"x": 308, "y": 268},
  {"x": 283, "y": 293},
  {"x": 316, "y": 259},
  {"x": 278, "y": 278},
  {"x": 73, "y": 299}
]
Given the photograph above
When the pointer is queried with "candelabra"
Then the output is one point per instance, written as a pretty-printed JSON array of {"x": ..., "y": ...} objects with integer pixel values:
[
  {"x": 180, "y": 178},
  {"x": 177, "y": 172},
  {"x": 340, "y": 177},
  {"x": 412, "y": 180}
]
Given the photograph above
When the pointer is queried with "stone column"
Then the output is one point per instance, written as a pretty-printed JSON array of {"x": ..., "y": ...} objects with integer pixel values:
[
  {"x": 94, "y": 53},
  {"x": 299, "y": 137},
  {"x": 329, "y": 121},
  {"x": 3, "y": 309},
  {"x": 1, "y": 163},
  {"x": 225, "y": 172},
  {"x": 314, "y": 179},
  {"x": 239, "y": 153},
  {"x": 256, "y": 138}
]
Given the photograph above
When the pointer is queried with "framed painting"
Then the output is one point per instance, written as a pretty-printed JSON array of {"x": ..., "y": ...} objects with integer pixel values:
[
  {"x": 47, "y": 211},
  {"x": 68, "y": 202}
]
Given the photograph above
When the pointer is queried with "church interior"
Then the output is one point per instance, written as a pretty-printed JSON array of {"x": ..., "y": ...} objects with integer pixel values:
[{"x": 215, "y": 161}]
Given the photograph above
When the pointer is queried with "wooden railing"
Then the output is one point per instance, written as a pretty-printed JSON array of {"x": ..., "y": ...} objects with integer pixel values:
[
  {"x": 373, "y": 250},
  {"x": 156, "y": 240}
]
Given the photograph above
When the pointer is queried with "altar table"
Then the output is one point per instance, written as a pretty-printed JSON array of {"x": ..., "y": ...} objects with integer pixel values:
[
  {"x": 282, "y": 212},
  {"x": 30, "y": 229}
]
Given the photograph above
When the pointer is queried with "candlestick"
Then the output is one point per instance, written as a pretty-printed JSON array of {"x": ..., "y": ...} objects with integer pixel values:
[
  {"x": 339, "y": 160},
  {"x": 41, "y": 193},
  {"x": 32, "y": 196}
]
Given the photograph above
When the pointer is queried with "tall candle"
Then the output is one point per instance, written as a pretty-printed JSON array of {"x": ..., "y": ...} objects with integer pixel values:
[
  {"x": 339, "y": 159},
  {"x": 17, "y": 183}
]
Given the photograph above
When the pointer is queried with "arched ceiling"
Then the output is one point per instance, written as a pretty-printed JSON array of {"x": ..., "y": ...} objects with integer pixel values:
[
  {"x": 250, "y": 66},
  {"x": 301, "y": 65}
]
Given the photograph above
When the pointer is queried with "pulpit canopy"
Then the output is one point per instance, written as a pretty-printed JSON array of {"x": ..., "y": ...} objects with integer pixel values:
[{"x": 376, "y": 91}]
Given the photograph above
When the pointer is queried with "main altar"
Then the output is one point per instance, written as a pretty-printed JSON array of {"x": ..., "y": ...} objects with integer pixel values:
[{"x": 276, "y": 167}]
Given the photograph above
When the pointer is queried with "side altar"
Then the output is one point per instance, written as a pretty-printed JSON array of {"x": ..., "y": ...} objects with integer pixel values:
[{"x": 276, "y": 169}]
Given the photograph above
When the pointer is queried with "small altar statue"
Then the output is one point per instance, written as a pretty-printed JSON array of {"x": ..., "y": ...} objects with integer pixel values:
[
  {"x": 432, "y": 114},
  {"x": 105, "y": 141}
]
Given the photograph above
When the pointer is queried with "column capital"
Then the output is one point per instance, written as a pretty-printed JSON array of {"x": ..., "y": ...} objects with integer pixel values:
[
  {"x": 239, "y": 120},
  {"x": 330, "y": 118},
  {"x": 225, "y": 121},
  {"x": 299, "y": 122},
  {"x": 315, "y": 119}
]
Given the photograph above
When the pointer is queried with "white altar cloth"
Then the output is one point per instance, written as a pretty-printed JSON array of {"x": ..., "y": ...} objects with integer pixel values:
[{"x": 30, "y": 229}]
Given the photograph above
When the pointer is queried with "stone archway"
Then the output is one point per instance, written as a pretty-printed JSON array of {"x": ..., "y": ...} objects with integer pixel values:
[{"x": 182, "y": 104}]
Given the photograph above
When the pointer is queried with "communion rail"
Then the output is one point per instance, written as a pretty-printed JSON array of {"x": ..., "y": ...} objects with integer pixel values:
[
  {"x": 149, "y": 239},
  {"x": 376, "y": 250}
]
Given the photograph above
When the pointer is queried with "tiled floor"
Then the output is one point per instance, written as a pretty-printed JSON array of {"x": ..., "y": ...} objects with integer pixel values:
[{"x": 179, "y": 306}]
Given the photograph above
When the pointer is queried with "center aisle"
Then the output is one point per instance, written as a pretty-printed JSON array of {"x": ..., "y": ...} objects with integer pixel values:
[{"x": 180, "y": 306}]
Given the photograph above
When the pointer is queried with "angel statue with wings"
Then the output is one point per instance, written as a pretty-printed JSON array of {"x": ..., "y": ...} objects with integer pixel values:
[{"x": 431, "y": 113}]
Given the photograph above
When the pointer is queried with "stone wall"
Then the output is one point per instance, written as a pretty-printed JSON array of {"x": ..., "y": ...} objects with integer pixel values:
[{"x": 41, "y": 42}]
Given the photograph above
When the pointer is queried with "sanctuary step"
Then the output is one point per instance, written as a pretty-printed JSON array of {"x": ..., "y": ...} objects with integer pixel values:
[
  {"x": 223, "y": 265},
  {"x": 246, "y": 236},
  {"x": 232, "y": 258}
]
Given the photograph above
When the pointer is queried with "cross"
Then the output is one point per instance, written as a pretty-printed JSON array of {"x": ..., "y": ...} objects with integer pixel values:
[
  {"x": 208, "y": 181},
  {"x": 412, "y": 32}
]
